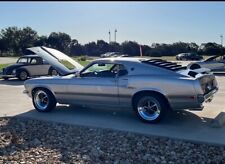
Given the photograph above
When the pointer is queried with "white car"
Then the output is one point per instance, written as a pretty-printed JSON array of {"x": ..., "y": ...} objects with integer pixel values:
[{"x": 214, "y": 63}]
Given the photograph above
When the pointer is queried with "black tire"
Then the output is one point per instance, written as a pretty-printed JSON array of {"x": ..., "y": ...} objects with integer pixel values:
[
  {"x": 40, "y": 105},
  {"x": 22, "y": 75},
  {"x": 154, "y": 98},
  {"x": 5, "y": 78}
]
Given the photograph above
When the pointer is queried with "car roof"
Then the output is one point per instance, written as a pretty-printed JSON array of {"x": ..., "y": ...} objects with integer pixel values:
[{"x": 173, "y": 66}]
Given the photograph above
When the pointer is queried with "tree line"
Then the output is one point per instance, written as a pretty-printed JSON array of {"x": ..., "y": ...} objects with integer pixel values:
[{"x": 14, "y": 41}]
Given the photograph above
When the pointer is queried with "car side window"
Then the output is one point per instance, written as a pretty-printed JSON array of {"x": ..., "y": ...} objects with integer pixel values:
[
  {"x": 119, "y": 69},
  {"x": 22, "y": 60},
  {"x": 99, "y": 70},
  {"x": 33, "y": 61}
]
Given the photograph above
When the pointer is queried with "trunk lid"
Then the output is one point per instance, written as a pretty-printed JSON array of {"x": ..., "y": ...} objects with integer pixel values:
[{"x": 60, "y": 61}]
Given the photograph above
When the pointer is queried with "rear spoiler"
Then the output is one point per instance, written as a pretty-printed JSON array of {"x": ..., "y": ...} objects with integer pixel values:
[
  {"x": 196, "y": 73},
  {"x": 199, "y": 72}
]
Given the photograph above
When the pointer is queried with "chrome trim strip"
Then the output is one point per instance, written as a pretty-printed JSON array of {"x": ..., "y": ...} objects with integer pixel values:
[{"x": 92, "y": 94}]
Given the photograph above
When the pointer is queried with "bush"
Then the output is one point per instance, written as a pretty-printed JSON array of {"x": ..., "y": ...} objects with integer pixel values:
[{"x": 82, "y": 58}]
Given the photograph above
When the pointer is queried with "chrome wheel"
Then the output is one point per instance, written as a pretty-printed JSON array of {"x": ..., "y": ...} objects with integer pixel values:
[
  {"x": 23, "y": 75},
  {"x": 41, "y": 100},
  {"x": 149, "y": 108}
]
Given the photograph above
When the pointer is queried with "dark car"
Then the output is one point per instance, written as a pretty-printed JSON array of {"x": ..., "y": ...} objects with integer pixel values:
[
  {"x": 188, "y": 56},
  {"x": 28, "y": 66}
]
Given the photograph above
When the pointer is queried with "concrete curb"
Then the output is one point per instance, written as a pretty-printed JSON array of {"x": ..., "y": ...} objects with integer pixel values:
[{"x": 219, "y": 121}]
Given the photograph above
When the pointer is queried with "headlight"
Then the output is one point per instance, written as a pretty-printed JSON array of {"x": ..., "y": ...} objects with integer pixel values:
[{"x": 14, "y": 71}]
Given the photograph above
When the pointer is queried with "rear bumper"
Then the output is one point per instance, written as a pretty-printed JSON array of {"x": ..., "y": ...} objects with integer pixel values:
[
  {"x": 196, "y": 104},
  {"x": 207, "y": 97}
]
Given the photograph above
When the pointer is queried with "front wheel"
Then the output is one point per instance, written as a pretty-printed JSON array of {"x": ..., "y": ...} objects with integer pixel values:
[
  {"x": 43, "y": 100},
  {"x": 23, "y": 75},
  {"x": 150, "y": 108}
]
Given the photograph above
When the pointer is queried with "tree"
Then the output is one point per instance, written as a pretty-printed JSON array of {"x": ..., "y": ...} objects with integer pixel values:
[
  {"x": 60, "y": 41},
  {"x": 210, "y": 49},
  {"x": 103, "y": 46},
  {"x": 115, "y": 47},
  {"x": 41, "y": 41},
  {"x": 27, "y": 38},
  {"x": 146, "y": 50},
  {"x": 10, "y": 39},
  {"x": 76, "y": 49},
  {"x": 91, "y": 49},
  {"x": 131, "y": 48},
  {"x": 16, "y": 40}
]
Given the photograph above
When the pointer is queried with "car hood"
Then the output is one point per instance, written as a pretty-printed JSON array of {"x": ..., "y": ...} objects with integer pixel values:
[
  {"x": 13, "y": 66},
  {"x": 60, "y": 61}
]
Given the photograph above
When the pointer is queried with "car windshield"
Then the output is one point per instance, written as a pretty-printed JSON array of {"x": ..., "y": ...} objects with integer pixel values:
[{"x": 98, "y": 68}]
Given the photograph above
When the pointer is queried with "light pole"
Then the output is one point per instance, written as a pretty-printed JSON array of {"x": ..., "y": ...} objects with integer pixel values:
[
  {"x": 115, "y": 34},
  {"x": 221, "y": 37},
  {"x": 109, "y": 36}
]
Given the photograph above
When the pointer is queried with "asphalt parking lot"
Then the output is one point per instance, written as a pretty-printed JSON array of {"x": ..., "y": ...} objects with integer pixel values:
[{"x": 194, "y": 126}]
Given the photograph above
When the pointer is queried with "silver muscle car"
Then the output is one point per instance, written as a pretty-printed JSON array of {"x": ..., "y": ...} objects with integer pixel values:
[{"x": 150, "y": 86}]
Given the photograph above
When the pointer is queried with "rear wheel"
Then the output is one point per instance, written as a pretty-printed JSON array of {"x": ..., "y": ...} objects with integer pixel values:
[
  {"x": 150, "y": 108},
  {"x": 43, "y": 100},
  {"x": 23, "y": 75},
  {"x": 53, "y": 72}
]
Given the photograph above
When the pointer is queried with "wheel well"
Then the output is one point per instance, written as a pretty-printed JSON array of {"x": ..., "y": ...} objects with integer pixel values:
[
  {"x": 136, "y": 95},
  {"x": 34, "y": 89},
  {"x": 22, "y": 69}
]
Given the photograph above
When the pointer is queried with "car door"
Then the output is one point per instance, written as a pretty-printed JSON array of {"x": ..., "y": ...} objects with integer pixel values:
[
  {"x": 35, "y": 67},
  {"x": 96, "y": 85}
]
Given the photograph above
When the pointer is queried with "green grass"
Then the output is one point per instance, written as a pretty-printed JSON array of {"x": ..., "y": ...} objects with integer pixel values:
[
  {"x": 3, "y": 66},
  {"x": 84, "y": 63}
]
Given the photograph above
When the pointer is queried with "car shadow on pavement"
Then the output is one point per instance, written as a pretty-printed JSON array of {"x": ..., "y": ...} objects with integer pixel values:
[
  {"x": 12, "y": 82},
  {"x": 117, "y": 118}
]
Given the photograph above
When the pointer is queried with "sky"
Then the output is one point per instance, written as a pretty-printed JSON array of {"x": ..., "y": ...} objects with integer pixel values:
[{"x": 144, "y": 22}]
